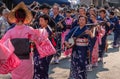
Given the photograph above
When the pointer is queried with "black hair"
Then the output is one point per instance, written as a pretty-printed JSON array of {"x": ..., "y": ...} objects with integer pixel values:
[
  {"x": 83, "y": 17},
  {"x": 20, "y": 15},
  {"x": 46, "y": 17},
  {"x": 68, "y": 11},
  {"x": 33, "y": 13},
  {"x": 111, "y": 13},
  {"x": 1, "y": 4},
  {"x": 45, "y": 5},
  {"x": 82, "y": 8},
  {"x": 102, "y": 10},
  {"x": 1, "y": 10},
  {"x": 106, "y": 7}
]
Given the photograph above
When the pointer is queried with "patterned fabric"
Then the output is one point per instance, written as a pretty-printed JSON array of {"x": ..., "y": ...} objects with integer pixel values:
[
  {"x": 78, "y": 56},
  {"x": 8, "y": 60},
  {"x": 6, "y": 49},
  {"x": 95, "y": 51},
  {"x": 10, "y": 64},
  {"x": 4, "y": 25},
  {"x": 78, "y": 65},
  {"x": 45, "y": 48},
  {"x": 57, "y": 19},
  {"x": 66, "y": 51},
  {"x": 41, "y": 66},
  {"x": 25, "y": 69},
  {"x": 103, "y": 40},
  {"x": 68, "y": 22}
]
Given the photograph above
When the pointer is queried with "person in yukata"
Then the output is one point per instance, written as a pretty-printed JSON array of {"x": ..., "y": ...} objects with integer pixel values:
[
  {"x": 90, "y": 12},
  {"x": 4, "y": 25},
  {"x": 80, "y": 50},
  {"x": 107, "y": 26},
  {"x": 41, "y": 65},
  {"x": 8, "y": 60},
  {"x": 96, "y": 41},
  {"x": 59, "y": 27},
  {"x": 116, "y": 29},
  {"x": 20, "y": 37},
  {"x": 81, "y": 12},
  {"x": 68, "y": 23}
]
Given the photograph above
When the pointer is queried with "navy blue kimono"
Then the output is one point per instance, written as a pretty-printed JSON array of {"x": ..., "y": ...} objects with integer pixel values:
[
  {"x": 116, "y": 30},
  {"x": 104, "y": 38},
  {"x": 41, "y": 65},
  {"x": 79, "y": 54},
  {"x": 57, "y": 19}
]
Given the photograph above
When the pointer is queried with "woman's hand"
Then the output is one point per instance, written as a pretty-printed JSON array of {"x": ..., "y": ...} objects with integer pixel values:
[
  {"x": 89, "y": 33},
  {"x": 60, "y": 24},
  {"x": 67, "y": 44}
]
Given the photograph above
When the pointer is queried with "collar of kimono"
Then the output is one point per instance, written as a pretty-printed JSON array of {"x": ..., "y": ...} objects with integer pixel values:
[{"x": 19, "y": 26}]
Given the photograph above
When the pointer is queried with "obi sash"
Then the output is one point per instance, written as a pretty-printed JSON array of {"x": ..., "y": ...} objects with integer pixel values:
[
  {"x": 22, "y": 47},
  {"x": 81, "y": 42}
]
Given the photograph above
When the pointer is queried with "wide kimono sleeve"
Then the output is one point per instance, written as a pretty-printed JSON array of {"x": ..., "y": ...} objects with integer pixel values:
[
  {"x": 70, "y": 34},
  {"x": 8, "y": 60},
  {"x": 6, "y": 36},
  {"x": 6, "y": 47},
  {"x": 38, "y": 35},
  {"x": 100, "y": 35},
  {"x": 43, "y": 44}
]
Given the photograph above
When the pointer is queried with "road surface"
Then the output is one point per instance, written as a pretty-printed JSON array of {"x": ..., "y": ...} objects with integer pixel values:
[{"x": 109, "y": 69}]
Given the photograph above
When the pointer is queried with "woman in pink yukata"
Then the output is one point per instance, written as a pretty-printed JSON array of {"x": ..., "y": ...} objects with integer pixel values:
[
  {"x": 96, "y": 41},
  {"x": 20, "y": 36},
  {"x": 68, "y": 22}
]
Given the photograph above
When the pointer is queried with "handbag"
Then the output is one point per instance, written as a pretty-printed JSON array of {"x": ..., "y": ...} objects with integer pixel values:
[{"x": 22, "y": 47}]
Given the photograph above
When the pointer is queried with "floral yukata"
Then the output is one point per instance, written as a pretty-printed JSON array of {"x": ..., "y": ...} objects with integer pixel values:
[
  {"x": 25, "y": 69},
  {"x": 79, "y": 53}
]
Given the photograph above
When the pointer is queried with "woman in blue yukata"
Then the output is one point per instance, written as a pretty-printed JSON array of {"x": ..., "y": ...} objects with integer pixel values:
[
  {"x": 41, "y": 65},
  {"x": 79, "y": 55}
]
